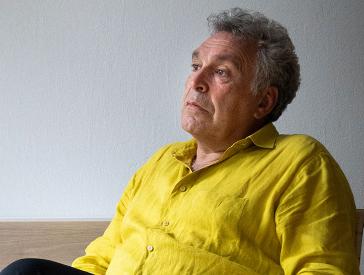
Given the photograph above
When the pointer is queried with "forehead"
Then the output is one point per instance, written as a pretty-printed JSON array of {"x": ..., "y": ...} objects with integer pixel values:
[{"x": 224, "y": 45}]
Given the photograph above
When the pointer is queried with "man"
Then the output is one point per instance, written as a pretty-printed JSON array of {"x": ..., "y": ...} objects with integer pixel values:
[{"x": 238, "y": 198}]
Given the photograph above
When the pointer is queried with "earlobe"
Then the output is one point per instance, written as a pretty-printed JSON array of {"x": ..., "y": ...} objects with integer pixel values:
[{"x": 267, "y": 102}]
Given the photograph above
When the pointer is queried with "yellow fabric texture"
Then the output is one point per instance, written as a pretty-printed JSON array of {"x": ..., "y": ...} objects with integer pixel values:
[{"x": 273, "y": 204}]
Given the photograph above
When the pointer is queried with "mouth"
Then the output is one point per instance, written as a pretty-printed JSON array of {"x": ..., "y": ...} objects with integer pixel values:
[{"x": 194, "y": 105}]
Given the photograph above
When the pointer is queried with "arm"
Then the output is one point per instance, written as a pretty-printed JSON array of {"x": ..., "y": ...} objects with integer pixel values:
[
  {"x": 316, "y": 221},
  {"x": 101, "y": 250}
]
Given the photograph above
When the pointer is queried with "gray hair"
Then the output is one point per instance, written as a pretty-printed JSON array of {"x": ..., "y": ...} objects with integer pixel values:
[{"x": 276, "y": 63}]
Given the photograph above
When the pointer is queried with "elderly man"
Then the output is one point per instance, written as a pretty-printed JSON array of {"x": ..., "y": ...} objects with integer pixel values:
[{"x": 239, "y": 198}]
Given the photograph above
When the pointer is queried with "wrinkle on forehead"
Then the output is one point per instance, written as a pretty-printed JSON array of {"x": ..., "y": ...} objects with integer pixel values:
[{"x": 244, "y": 51}]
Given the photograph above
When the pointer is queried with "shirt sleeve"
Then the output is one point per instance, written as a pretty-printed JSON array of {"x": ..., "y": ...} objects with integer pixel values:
[
  {"x": 100, "y": 251},
  {"x": 316, "y": 221}
]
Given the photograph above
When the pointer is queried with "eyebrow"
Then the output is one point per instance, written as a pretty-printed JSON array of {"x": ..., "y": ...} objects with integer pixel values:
[{"x": 222, "y": 57}]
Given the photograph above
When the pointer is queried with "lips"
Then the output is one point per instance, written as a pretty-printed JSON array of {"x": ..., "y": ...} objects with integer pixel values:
[{"x": 195, "y": 104}]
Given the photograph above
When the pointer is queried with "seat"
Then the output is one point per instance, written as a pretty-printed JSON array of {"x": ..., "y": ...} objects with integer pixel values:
[{"x": 359, "y": 230}]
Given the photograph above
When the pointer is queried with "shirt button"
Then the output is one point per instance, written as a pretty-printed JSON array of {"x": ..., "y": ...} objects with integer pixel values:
[
  {"x": 150, "y": 248},
  {"x": 182, "y": 188},
  {"x": 165, "y": 223}
]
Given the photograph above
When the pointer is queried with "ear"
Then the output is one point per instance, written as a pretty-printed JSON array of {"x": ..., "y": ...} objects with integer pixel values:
[{"x": 268, "y": 100}]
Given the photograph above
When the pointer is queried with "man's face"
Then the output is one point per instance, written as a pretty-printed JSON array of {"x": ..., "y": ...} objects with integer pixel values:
[{"x": 218, "y": 101}]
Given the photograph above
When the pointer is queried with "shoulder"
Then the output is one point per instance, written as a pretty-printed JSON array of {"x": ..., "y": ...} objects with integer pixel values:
[
  {"x": 304, "y": 154},
  {"x": 311, "y": 160},
  {"x": 300, "y": 145}
]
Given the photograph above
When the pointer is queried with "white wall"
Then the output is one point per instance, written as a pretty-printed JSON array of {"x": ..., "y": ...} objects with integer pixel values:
[{"x": 89, "y": 89}]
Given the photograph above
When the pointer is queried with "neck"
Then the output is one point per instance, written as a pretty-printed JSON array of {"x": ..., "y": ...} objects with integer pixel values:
[
  {"x": 205, "y": 157},
  {"x": 210, "y": 150}
]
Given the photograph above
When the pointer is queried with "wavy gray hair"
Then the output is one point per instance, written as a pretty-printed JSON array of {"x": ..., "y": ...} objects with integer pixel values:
[{"x": 276, "y": 64}]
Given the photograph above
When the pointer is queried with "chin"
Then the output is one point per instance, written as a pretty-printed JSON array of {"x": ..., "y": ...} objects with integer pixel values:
[
  {"x": 187, "y": 128},
  {"x": 190, "y": 125},
  {"x": 195, "y": 124}
]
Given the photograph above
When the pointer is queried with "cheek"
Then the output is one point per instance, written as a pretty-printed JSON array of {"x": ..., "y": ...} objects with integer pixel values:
[
  {"x": 231, "y": 105},
  {"x": 221, "y": 99}
]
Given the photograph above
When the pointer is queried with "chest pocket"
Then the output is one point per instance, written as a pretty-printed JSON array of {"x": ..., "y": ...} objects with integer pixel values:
[
  {"x": 228, "y": 213},
  {"x": 213, "y": 220}
]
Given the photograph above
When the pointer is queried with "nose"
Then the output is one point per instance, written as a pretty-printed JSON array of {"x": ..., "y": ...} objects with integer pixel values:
[{"x": 198, "y": 81}]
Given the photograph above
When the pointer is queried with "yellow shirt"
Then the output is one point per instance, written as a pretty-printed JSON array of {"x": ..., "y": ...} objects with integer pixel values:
[{"x": 273, "y": 204}]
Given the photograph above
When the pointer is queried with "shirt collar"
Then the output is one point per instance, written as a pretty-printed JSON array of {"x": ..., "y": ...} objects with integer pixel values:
[
  {"x": 265, "y": 138},
  {"x": 186, "y": 151}
]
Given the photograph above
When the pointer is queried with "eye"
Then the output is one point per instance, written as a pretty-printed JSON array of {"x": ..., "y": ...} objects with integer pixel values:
[
  {"x": 195, "y": 67},
  {"x": 221, "y": 72}
]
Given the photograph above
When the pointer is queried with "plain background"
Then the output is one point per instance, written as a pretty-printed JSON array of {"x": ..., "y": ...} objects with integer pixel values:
[{"x": 90, "y": 89}]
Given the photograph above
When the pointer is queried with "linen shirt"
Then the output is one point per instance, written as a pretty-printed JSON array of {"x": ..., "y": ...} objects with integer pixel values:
[{"x": 273, "y": 204}]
